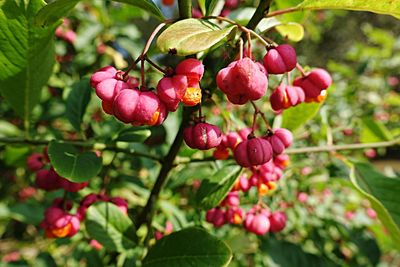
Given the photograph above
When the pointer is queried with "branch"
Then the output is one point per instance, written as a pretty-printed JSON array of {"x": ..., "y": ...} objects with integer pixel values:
[
  {"x": 84, "y": 144},
  {"x": 314, "y": 149},
  {"x": 260, "y": 13},
  {"x": 146, "y": 216},
  {"x": 185, "y": 9}
]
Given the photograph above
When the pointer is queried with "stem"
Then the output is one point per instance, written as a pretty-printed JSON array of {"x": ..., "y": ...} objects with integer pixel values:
[
  {"x": 146, "y": 216},
  {"x": 282, "y": 11},
  {"x": 261, "y": 12},
  {"x": 152, "y": 63},
  {"x": 240, "y": 48},
  {"x": 185, "y": 9},
  {"x": 300, "y": 68},
  {"x": 89, "y": 145},
  {"x": 258, "y": 111}
]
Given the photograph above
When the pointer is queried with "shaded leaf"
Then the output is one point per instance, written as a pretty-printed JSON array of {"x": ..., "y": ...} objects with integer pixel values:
[
  {"x": 72, "y": 164},
  {"x": 110, "y": 227},
  {"x": 191, "y": 36},
  {"x": 133, "y": 135},
  {"x": 214, "y": 189},
  {"x": 146, "y": 5},
  {"x": 54, "y": 11},
  {"x": 77, "y": 102},
  {"x": 189, "y": 247},
  {"x": 382, "y": 192}
]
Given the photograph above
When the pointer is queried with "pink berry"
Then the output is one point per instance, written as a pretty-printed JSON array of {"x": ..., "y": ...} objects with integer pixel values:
[
  {"x": 48, "y": 180},
  {"x": 171, "y": 90},
  {"x": 253, "y": 152},
  {"x": 302, "y": 197},
  {"x": 35, "y": 161},
  {"x": 285, "y": 96},
  {"x": 134, "y": 106},
  {"x": 202, "y": 136},
  {"x": 231, "y": 4},
  {"x": 232, "y": 199},
  {"x": 280, "y": 59},
  {"x": 278, "y": 221},
  {"x": 242, "y": 81},
  {"x": 216, "y": 216},
  {"x": 95, "y": 244},
  {"x": 371, "y": 213},
  {"x": 257, "y": 223},
  {"x": 121, "y": 203},
  {"x": 71, "y": 186},
  {"x": 192, "y": 68},
  {"x": 279, "y": 140},
  {"x": 314, "y": 82},
  {"x": 234, "y": 215}
]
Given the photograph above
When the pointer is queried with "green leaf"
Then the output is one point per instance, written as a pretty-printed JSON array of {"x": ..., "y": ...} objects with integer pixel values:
[
  {"x": 297, "y": 116},
  {"x": 214, "y": 189},
  {"x": 189, "y": 247},
  {"x": 374, "y": 131},
  {"x": 54, "y": 11},
  {"x": 191, "y": 36},
  {"x": 26, "y": 55},
  {"x": 133, "y": 135},
  {"x": 77, "y": 102},
  {"x": 110, "y": 227},
  {"x": 146, "y": 5},
  {"x": 388, "y": 7},
  {"x": 292, "y": 30},
  {"x": 72, "y": 164},
  {"x": 15, "y": 155},
  {"x": 383, "y": 194}
]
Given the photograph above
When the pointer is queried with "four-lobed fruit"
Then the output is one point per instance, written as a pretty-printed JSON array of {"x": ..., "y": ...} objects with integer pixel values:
[
  {"x": 242, "y": 81},
  {"x": 280, "y": 139},
  {"x": 202, "y": 136},
  {"x": 280, "y": 59},
  {"x": 253, "y": 152},
  {"x": 285, "y": 96},
  {"x": 314, "y": 82}
]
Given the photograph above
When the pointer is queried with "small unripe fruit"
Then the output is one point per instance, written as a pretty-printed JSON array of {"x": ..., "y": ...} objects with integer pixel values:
[
  {"x": 216, "y": 216},
  {"x": 314, "y": 82},
  {"x": 232, "y": 199},
  {"x": 242, "y": 81},
  {"x": 202, "y": 136},
  {"x": 253, "y": 152},
  {"x": 280, "y": 59},
  {"x": 278, "y": 221}
]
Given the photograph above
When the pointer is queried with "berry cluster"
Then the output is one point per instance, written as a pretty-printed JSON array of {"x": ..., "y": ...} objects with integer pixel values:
[
  {"x": 65, "y": 32},
  {"x": 122, "y": 97},
  {"x": 47, "y": 178},
  {"x": 58, "y": 221}
]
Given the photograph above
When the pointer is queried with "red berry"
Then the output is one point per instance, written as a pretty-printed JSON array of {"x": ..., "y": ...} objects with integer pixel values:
[
  {"x": 35, "y": 161},
  {"x": 278, "y": 221},
  {"x": 279, "y": 140},
  {"x": 285, "y": 96},
  {"x": 280, "y": 59},
  {"x": 202, "y": 136},
  {"x": 253, "y": 152},
  {"x": 192, "y": 68},
  {"x": 242, "y": 81},
  {"x": 170, "y": 90},
  {"x": 314, "y": 82}
]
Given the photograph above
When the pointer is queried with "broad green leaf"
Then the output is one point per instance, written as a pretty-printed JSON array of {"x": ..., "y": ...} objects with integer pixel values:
[
  {"x": 146, "y": 5},
  {"x": 189, "y": 247},
  {"x": 29, "y": 212},
  {"x": 191, "y": 36},
  {"x": 71, "y": 164},
  {"x": 193, "y": 171},
  {"x": 15, "y": 155},
  {"x": 106, "y": 223},
  {"x": 388, "y": 7},
  {"x": 26, "y": 55},
  {"x": 54, "y": 11},
  {"x": 374, "y": 131},
  {"x": 133, "y": 135},
  {"x": 77, "y": 101},
  {"x": 214, "y": 189},
  {"x": 383, "y": 194},
  {"x": 292, "y": 30},
  {"x": 297, "y": 116}
]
